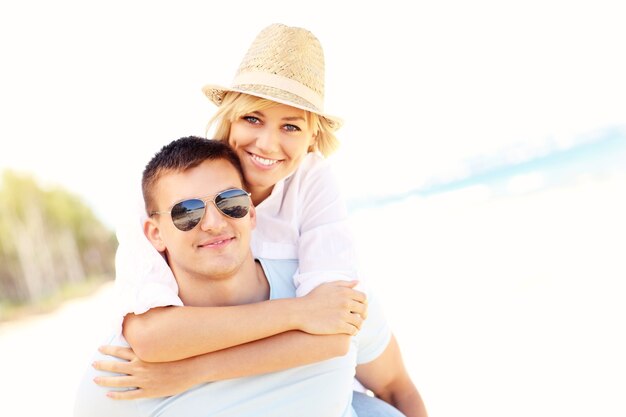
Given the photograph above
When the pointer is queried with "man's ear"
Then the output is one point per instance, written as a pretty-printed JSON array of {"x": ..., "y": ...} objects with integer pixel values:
[{"x": 153, "y": 233}]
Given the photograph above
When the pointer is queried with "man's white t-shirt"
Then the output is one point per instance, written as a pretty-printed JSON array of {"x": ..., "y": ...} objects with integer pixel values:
[{"x": 320, "y": 389}]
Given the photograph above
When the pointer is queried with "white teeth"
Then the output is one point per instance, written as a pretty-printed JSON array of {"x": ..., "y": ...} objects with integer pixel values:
[
  {"x": 263, "y": 161},
  {"x": 219, "y": 242}
]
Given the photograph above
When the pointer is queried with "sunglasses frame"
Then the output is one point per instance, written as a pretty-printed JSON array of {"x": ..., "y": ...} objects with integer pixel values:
[{"x": 205, "y": 201}]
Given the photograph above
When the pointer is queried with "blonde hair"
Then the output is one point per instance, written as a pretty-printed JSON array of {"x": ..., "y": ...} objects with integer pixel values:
[{"x": 234, "y": 105}]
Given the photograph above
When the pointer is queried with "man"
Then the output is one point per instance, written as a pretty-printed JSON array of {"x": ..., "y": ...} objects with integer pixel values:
[{"x": 282, "y": 357}]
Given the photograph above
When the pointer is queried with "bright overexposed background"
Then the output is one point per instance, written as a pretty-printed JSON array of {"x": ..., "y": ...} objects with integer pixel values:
[{"x": 483, "y": 158}]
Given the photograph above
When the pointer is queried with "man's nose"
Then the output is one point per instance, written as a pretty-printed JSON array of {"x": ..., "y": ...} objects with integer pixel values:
[{"x": 213, "y": 219}]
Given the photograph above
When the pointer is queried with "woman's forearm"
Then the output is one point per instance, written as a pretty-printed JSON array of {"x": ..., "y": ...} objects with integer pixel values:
[
  {"x": 167, "y": 334},
  {"x": 276, "y": 353},
  {"x": 171, "y": 333}
]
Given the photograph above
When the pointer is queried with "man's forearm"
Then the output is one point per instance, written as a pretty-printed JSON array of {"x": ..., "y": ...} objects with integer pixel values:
[{"x": 167, "y": 334}]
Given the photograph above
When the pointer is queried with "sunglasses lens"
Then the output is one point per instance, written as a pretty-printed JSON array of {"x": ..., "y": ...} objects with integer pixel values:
[
  {"x": 187, "y": 214},
  {"x": 233, "y": 203}
]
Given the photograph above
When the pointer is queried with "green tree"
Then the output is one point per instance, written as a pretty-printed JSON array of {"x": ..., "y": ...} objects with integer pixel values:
[{"x": 48, "y": 238}]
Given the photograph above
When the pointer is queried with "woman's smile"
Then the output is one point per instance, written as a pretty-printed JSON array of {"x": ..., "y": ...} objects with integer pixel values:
[{"x": 263, "y": 162}]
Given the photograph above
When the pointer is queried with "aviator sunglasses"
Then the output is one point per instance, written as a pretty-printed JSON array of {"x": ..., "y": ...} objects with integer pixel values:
[{"x": 234, "y": 203}]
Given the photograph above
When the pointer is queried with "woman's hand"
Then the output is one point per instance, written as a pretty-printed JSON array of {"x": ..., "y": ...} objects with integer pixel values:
[
  {"x": 333, "y": 308},
  {"x": 144, "y": 379}
]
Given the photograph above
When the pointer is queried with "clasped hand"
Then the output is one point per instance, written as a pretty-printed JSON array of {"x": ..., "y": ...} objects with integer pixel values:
[{"x": 333, "y": 308}]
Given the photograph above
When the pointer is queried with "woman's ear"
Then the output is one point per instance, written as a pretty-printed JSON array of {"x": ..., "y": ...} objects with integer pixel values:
[
  {"x": 153, "y": 233},
  {"x": 313, "y": 145}
]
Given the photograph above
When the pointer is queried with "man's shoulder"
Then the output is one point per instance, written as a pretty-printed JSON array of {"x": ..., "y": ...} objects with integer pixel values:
[{"x": 279, "y": 274}]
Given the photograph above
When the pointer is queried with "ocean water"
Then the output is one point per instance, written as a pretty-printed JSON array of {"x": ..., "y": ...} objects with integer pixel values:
[
  {"x": 597, "y": 154},
  {"x": 506, "y": 288}
]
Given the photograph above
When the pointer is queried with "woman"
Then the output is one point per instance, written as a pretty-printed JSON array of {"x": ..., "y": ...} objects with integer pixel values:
[{"x": 272, "y": 115}]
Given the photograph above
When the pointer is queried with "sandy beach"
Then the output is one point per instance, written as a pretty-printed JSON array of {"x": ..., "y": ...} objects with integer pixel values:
[
  {"x": 43, "y": 357},
  {"x": 503, "y": 306}
]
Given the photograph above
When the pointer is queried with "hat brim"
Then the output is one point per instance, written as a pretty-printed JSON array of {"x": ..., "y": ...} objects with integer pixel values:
[{"x": 216, "y": 93}]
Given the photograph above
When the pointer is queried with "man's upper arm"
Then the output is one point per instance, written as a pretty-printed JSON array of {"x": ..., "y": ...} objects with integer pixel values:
[
  {"x": 379, "y": 363},
  {"x": 387, "y": 377},
  {"x": 374, "y": 336},
  {"x": 388, "y": 368}
]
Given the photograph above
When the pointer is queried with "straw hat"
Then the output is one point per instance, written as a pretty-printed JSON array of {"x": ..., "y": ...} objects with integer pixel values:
[{"x": 284, "y": 64}]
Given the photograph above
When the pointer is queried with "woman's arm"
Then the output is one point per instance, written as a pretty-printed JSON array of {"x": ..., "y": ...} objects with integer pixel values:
[
  {"x": 143, "y": 280},
  {"x": 276, "y": 353},
  {"x": 172, "y": 333},
  {"x": 326, "y": 247}
]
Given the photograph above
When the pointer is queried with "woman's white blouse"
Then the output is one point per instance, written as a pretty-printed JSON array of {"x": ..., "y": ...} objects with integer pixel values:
[{"x": 304, "y": 218}]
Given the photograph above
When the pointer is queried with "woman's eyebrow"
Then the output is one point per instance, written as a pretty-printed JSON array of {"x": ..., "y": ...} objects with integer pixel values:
[
  {"x": 293, "y": 118},
  {"x": 286, "y": 118}
]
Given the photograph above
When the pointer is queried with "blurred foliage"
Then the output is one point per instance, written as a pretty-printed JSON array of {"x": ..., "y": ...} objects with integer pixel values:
[{"x": 49, "y": 240}]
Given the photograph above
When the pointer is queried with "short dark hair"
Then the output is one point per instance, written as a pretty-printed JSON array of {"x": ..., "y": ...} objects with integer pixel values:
[{"x": 183, "y": 154}]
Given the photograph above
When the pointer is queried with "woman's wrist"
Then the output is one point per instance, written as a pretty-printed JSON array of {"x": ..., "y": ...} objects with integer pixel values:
[
  {"x": 201, "y": 369},
  {"x": 292, "y": 311}
]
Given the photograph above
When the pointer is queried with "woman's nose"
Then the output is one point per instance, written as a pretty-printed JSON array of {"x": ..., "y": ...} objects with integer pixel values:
[{"x": 268, "y": 141}]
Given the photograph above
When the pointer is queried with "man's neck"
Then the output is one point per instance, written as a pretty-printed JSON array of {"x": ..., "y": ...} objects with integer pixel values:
[{"x": 246, "y": 285}]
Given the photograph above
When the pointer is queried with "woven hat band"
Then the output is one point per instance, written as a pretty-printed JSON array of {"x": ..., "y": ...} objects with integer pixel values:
[{"x": 282, "y": 83}]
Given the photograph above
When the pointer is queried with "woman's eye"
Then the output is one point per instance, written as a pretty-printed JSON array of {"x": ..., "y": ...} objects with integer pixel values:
[
  {"x": 292, "y": 128},
  {"x": 251, "y": 119}
]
